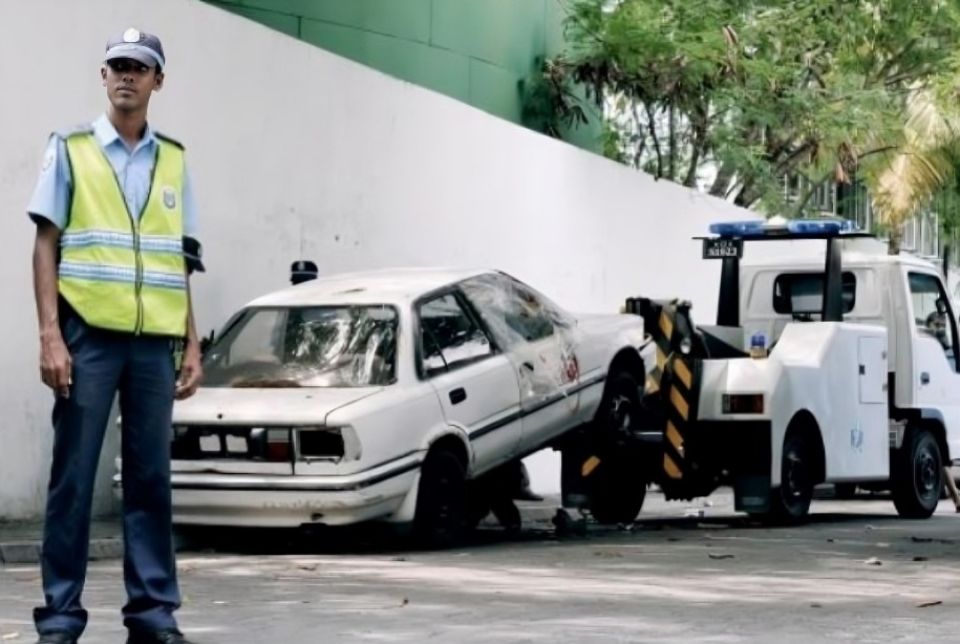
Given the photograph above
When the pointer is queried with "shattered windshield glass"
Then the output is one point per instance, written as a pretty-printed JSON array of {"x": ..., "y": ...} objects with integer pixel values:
[{"x": 322, "y": 346}]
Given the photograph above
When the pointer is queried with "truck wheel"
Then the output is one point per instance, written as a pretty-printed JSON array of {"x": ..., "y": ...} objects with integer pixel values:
[
  {"x": 441, "y": 515},
  {"x": 790, "y": 503},
  {"x": 917, "y": 475},
  {"x": 617, "y": 486}
]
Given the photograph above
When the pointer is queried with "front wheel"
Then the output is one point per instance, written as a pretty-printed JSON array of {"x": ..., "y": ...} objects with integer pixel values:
[
  {"x": 616, "y": 485},
  {"x": 917, "y": 475},
  {"x": 441, "y": 516},
  {"x": 790, "y": 502}
]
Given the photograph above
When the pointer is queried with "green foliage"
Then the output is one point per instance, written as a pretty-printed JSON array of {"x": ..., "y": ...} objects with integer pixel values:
[{"x": 731, "y": 95}]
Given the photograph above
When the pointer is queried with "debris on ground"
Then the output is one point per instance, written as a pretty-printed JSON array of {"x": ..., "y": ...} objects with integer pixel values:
[
  {"x": 919, "y": 558},
  {"x": 816, "y": 605},
  {"x": 873, "y": 561},
  {"x": 714, "y": 555},
  {"x": 928, "y": 604}
]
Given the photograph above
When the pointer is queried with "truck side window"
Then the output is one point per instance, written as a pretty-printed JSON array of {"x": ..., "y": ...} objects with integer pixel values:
[{"x": 931, "y": 313}]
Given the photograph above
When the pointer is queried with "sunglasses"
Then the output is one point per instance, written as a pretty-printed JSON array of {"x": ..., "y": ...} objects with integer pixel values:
[{"x": 124, "y": 65}]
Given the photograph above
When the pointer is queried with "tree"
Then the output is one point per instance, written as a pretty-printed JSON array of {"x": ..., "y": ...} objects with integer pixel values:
[{"x": 733, "y": 95}]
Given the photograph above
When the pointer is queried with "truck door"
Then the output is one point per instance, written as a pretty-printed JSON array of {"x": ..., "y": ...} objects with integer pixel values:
[{"x": 936, "y": 381}]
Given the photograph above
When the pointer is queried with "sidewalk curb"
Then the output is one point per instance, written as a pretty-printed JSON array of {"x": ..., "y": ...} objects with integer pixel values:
[{"x": 28, "y": 552}]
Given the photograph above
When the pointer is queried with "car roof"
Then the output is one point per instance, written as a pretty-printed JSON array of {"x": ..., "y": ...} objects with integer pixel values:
[{"x": 392, "y": 286}]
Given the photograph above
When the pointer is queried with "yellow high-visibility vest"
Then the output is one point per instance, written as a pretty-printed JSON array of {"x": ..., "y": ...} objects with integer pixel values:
[{"x": 118, "y": 271}]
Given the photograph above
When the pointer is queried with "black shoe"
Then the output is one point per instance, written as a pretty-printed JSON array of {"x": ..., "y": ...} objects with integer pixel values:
[
  {"x": 57, "y": 637},
  {"x": 171, "y": 636}
]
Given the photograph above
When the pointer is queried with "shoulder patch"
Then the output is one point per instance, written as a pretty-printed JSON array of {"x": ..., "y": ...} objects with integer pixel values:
[
  {"x": 161, "y": 135},
  {"x": 66, "y": 133}
]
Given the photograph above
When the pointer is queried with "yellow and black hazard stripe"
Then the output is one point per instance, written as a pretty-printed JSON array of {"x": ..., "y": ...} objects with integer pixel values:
[{"x": 674, "y": 383}]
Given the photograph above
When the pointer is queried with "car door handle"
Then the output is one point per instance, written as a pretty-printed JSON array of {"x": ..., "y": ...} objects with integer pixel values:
[
  {"x": 458, "y": 395},
  {"x": 924, "y": 378}
]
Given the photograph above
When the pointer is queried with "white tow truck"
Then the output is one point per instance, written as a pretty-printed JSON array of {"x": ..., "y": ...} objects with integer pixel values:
[{"x": 840, "y": 367}]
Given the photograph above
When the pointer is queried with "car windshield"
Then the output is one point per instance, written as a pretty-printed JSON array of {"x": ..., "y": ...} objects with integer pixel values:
[{"x": 321, "y": 346}]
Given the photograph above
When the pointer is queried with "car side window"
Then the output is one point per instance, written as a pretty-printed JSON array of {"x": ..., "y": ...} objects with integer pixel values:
[
  {"x": 932, "y": 315},
  {"x": 449, "y": 337},
  {"x": 512, "y": 310}
]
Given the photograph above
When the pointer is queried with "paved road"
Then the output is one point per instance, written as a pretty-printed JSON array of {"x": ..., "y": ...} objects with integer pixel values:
[{"x": 856, "y": 573}]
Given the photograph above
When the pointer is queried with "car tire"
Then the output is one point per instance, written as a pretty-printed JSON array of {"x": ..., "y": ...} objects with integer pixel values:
[
  {"x": 441, "y": 515},
  {"x": 790, "y": 501},
  {"x": 617, "y": 486},
  {"x": 917, "y": 475}
]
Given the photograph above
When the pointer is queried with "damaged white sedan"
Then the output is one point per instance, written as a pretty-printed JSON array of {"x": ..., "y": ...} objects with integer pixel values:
[{"x": 389, "y": 395}]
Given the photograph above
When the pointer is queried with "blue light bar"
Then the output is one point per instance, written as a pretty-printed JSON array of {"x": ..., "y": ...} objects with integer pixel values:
[
  {"x": 820, "y": 226},
  {"x": 762, "y": 228},
  {"x": 738, "y": 228}
]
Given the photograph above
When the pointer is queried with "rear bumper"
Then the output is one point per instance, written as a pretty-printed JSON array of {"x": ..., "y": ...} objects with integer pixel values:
[{"x": 290, "y": 500}]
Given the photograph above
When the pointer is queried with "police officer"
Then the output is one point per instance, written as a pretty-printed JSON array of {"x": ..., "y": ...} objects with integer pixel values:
[{"x": 115, "y": 241}]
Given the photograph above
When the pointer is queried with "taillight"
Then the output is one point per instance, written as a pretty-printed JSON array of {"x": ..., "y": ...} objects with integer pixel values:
[
  {"x": 279, "y": 448},
  {"x": 743, "y": 403}
]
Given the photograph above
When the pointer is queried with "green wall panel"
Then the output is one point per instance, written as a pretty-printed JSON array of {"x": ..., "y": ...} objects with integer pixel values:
[
  {"x": 494, "y": 89},
  {"x": 408, "y": 19},
  {"x": 477, "y": 51},
  {"x": 287, "y": 23},
  {"x": 443, "y": 71},
  {"x": 508, "y": 33}
]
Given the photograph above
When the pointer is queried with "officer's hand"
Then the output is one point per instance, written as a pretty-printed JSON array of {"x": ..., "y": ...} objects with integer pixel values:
[
  {"x": 191, "y": 372},
  {"x": 56, "y": 365}
]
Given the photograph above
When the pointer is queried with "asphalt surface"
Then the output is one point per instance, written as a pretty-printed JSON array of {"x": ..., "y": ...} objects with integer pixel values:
[{"x": 855, "y": 573}]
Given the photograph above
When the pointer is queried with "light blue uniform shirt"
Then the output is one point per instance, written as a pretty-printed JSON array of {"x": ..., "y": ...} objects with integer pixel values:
[{"x": 134, "y": 168}]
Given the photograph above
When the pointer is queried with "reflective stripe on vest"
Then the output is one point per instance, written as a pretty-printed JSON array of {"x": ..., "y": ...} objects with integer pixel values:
[{"x": 119, "y": 272}]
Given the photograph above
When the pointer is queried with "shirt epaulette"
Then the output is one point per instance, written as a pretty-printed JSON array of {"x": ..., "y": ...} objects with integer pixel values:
[
  {"x": 161, "y": 135},
  {"x": 66, "y": 133}
]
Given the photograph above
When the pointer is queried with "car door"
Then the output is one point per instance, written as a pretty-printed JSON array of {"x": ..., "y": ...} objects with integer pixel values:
[
  {"x": 474, "y": 380},
  {"x": 541, "y": 342},
  {"x": 936, "y": 380}
]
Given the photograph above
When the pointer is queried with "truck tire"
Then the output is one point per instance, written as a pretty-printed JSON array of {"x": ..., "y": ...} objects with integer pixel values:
[
  {"x": 917, "y": 474},
  {"x": 617, "y": 486},
  {"x": 790, "y": 502},
  {"x": 441, "y": 516}
]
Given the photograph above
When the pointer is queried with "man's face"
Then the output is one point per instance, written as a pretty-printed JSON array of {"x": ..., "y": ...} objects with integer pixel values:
[{"x": 129, "y": 83}]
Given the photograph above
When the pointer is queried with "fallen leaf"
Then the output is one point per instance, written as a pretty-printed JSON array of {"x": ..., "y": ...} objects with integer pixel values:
[
  {"x": 928, "y": 604},
  {"x": 719, "y": 556},
  {"x": 607, "y": 553},
  {"x": 873, "y": 561}
]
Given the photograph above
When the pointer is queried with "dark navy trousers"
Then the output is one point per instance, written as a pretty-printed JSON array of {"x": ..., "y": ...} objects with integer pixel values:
[{"x": 141, "y": 369}]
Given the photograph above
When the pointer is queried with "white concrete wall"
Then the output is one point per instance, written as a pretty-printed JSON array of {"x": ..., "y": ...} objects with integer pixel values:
[{"x": 298, "y": 153}]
